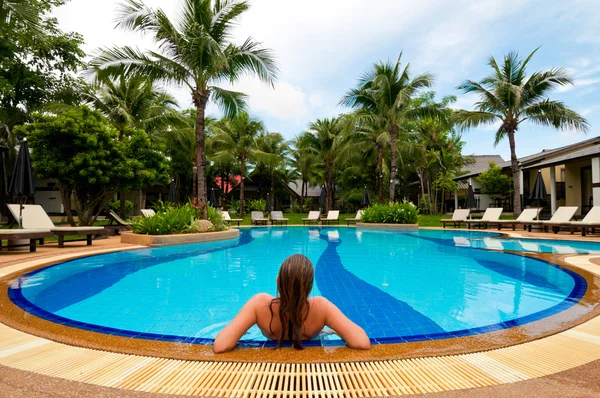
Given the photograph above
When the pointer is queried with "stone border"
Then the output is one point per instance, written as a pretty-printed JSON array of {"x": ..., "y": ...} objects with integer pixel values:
[
  {"x": 386, "y": 226},
  {"x": 177, "y": 239}
]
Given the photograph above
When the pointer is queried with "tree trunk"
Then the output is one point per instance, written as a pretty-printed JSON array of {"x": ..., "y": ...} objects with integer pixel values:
[
  {"x": 272, "y": 189},
  {"x": 380, "y": 171},
  {"x": 200, "y": 99},
  {"x": 65, "y": 195},
  {"x": 393, "y": 136},
  {"x": 329, "y": 186},
  {"x": 243, "y": 175},
  {"x": 144, "y": 195},
  {"x": 514, "y": 162}
]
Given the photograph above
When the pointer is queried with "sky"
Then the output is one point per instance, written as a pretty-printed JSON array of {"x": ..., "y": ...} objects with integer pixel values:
[{"x": 323, "y": 46}]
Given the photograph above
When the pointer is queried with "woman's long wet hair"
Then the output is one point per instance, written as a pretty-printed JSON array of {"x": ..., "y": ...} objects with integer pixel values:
[{"x": 294, "y": 284}]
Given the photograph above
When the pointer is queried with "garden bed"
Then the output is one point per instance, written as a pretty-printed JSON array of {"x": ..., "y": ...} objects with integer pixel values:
[
  {"x": 177, "y": 239},
  {"x": 386, "y": 226}
]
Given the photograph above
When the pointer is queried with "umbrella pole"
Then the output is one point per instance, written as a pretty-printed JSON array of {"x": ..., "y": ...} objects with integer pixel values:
[{"x": 20, "y": 212}]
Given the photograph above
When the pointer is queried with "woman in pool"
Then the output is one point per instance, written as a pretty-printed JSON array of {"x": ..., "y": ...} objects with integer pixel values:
[{"x": 291, "y": 316}]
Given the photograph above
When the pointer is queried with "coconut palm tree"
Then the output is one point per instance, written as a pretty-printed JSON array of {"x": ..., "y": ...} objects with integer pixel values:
[
  {"x": 235, "y": 139},
  {"x": 15, "y": 11},
  {"x": 385, "y": 93},
  {"x": 194, "y": 51},
  {"x": 325, "y": 139},
  {"x": 509, "y": 97},
  {"x": 272, "y": 150},
  {"x": 132, "y": 102},
  {"x": 302, "y": 162}
]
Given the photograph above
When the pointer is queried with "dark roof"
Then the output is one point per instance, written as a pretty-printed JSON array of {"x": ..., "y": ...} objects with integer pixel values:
[
  {"x": 481, "y": 164},
  {"x": 582, "y": 153},
  {"x": 312, "y": 191}
]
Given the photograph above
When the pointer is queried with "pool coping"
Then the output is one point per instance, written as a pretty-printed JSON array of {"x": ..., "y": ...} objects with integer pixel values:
[{"x": 587, "y": 308}]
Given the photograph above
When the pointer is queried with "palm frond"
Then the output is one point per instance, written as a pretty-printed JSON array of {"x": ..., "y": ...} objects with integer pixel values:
[
  {"x": 230, "y": 102},
  {"x": 557, "y": 115},
  {"x": 251, "y": 58},
  {"x": 471, "y": 119}
]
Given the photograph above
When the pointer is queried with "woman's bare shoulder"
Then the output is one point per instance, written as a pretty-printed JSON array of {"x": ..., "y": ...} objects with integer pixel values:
[{"x": 318, "y": 301}]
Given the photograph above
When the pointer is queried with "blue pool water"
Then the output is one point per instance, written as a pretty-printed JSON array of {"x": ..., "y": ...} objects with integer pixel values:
[{"x": 399, "y": 286}]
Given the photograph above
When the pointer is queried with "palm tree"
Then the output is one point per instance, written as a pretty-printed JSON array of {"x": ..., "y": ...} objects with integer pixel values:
[
  {"x": 132, "y": 102},
  {"x": 509, "y": 97},
  {"x": 236, "y": 140},
  {"x": 385, "y": 92},
  {"x": 302, "y": 162},
  {"x": 325, "y": 139},
  {"x": 195, "y": 52},
  {"x": 15, "y": 11},
  {"x": 272, "y": 150}
]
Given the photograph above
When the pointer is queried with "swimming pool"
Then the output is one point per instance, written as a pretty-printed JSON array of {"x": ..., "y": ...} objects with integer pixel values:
[{"x": 399, "y": 286}]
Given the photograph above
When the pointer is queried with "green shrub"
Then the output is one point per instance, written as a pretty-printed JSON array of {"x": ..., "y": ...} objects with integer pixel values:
[
  {"x": 391, "y": 213},
  {"x": 177, "y": 219},
  {"x": 115, "y": 206},
  {"x": 160, "y": 206},
  {"x": 257, "y": 204}
]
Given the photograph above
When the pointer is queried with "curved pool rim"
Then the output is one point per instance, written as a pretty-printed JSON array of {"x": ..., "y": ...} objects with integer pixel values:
[{"x": 576, "y": 294}]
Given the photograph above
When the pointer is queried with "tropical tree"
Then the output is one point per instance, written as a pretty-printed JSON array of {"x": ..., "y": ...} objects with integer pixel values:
[
  {"x": 509, "y": 97},
  {"x": 302, "y": 162},
  {"x": 235, "y": 139},
  {"x": 272, "y": 150},
  {"x": 194, "y": 51},
  {"x": 384, "y": 93},
  {"x": 325, "y": 139},
  {"x": 132, "y": 102}
]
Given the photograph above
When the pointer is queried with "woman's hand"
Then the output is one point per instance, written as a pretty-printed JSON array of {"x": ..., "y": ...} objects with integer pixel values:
[{"x": 244, "y": 320}]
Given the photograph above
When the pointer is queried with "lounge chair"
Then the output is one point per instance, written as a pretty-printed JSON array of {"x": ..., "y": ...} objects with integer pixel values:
[
  {"x": 332, "y": 216},
  {"x": 355, "y": 219},
  {"x": 257, "y": 218},
  {"x": 34, "y": 235},
  {"x": 147, "y": 213},
  {"x": 525, "y": 216},
  {"x": 34, "y": 217},
  {"x": 590, "y": 221},
  {"x": 277, "y": 217},
  {"x": 312, "y": 216},
  {"x": 227, "y": 218},
  {"x": 562, "y": 216},
  {"x": 459, "y": 216},
  {"x": 491, "y": 214},
  {"x": 119, "y": 225}
]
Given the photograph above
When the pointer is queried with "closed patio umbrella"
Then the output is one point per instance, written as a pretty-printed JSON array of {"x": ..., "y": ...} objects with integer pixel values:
[
  {"x": 212, "y": 201},
  {"x": 2, "y": 179},
  {"x": 539, "y": 189},
  {"x": 470, "y": 202},
  {"x": 172, "y": 192},
  {"x": 22, "y": 183},
  {"x": 268, "y": 205},
  {"x": 322, "y": 199},
  {"x": 366, "y": 201}
]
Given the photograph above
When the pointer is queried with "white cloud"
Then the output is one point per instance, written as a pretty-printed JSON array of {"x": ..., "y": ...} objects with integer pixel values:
[{"x": 578, "y": 83}]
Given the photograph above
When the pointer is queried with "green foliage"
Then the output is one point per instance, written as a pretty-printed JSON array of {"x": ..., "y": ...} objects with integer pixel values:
[
  {"x": 257, "y": 204},
  {"x": 146, "y": 163},
  {"x": 391, "y": 213},
  {"x": 115, "y": 206},
  {"x": 173, "y": 221},
  {"x": 37, "y": 62},
  {"x": 493, "y": 182},
  {"x": 179, "y": 219},
  {"x": 79, "y": 149}
]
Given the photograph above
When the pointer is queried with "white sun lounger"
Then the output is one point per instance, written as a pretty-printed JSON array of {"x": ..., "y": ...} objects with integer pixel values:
[
  {"x": 355, "y": 219},
  {"x": 563, "y": 215},
  {"x": 459, "y": 216},
  {"x": 590, "y": 221},
  {"x": 33, "y": 235},
  {"x": 258, "y": 218},
  {"x": 491, "y": 214},
  {"x": 312, "y": 216},
  {"x": 332, "y": 216},
  {"x": 277, "y": 216},
  {"x": 147, "y": 213},
  {"x": 227, "y": 218},
  {"x": 34, "y": 217},
  {"x": 526, "y": 215}
]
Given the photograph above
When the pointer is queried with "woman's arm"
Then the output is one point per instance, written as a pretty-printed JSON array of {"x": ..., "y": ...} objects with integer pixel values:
[
  {"x": 350, "y": 332},
  {"x": 244, "y": 320}
]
